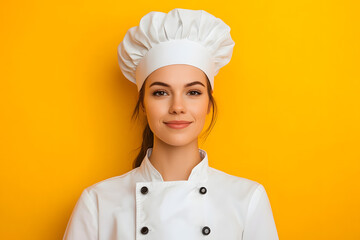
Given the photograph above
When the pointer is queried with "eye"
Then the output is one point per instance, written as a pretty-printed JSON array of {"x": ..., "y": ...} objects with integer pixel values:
[
  {"x": 194, "y": 92},
  {"x": 158, "y": 93}
]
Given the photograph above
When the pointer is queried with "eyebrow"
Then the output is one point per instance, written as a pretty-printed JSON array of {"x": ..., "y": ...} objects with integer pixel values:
[{"x": 167, "y": 85}]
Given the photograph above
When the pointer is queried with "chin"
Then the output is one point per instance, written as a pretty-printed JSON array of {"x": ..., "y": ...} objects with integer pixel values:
[{"x": 177, "y": 141}]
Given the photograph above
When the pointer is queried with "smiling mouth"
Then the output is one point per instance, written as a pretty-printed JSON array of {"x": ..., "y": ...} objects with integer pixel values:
[{"x": 178, "y": 124}]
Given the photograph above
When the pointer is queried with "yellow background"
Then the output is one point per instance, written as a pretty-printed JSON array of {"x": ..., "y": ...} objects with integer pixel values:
[{"x": 289, "y": 109}]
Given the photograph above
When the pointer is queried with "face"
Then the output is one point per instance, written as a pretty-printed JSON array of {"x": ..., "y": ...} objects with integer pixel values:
[{"x": 176, "y": 93}]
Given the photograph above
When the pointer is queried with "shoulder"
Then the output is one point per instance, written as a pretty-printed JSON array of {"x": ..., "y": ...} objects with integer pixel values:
[
  {"x": 121, "y": 184},
  {"x": 235, "y": 184},
  {"x": 221, "y": 175}
]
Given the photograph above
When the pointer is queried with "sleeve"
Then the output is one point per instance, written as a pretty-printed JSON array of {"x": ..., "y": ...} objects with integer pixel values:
[
  {"x": 83, "y": 223},
  {"x": 260, "y": 224}
]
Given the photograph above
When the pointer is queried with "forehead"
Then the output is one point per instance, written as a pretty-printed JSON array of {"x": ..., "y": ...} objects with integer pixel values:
[{"x": 177, "y": 74}]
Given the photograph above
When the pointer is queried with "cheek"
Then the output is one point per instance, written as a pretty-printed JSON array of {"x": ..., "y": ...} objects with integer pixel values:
[
  {"x": 155, "y": 111},
  {"x": 200, "y": 110}
]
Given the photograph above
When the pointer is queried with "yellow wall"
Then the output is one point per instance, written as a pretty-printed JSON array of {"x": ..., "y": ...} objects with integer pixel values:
[{"x": 289, "y": 109}]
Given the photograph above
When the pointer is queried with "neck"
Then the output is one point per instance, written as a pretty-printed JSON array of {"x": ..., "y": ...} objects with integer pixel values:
[{"x": 174, "y": 163}]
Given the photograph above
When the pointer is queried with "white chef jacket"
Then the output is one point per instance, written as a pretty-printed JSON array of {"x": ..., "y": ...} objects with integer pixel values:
[{"x": 140, "y": 205}]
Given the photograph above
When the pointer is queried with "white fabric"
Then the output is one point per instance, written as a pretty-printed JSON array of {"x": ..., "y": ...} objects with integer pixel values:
[
  {"x": 181, "y": 36},
  {"x": 176, "y": 52},
  {"x": 234, "y": 208}
]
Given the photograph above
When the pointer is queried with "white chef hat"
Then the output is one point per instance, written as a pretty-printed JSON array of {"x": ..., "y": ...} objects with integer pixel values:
[{"x": 182, "y": 36}]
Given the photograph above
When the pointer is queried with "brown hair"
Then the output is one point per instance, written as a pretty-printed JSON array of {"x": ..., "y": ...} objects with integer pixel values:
[{"x": 148, "y": 136}]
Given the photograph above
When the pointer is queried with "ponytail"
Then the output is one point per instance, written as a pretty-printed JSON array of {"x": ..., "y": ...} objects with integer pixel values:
[{"x": 148, "y": 141}]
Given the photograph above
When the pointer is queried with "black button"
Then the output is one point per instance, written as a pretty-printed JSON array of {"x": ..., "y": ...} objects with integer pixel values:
[
  {"x": 144, "y": 230},
  {"x": 202, "y": 190},
  {"x": 144, "y": 190},
  {"x": 206, "y": 230}
]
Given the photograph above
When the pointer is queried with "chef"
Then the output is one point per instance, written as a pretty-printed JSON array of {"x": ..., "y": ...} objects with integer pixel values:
[{"x": 172, "y": 193}]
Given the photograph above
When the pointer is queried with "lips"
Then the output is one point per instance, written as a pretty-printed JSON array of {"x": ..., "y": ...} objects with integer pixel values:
[{"x": 177, "y": 124}]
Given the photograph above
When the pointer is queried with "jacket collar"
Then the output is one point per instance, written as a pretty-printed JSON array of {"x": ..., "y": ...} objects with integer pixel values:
[{"x": 198, "y": 173}]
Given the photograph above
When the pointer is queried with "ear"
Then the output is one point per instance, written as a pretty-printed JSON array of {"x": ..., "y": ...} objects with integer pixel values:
[
  {"x": 209, "y": 107},
  {"x": 143, "y": 109}
]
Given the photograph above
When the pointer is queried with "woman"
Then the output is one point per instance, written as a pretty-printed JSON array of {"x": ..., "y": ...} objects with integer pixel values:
[{"x": 172, "y": 193}]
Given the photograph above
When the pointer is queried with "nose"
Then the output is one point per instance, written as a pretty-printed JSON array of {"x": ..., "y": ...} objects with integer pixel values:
[{"x": 177, "y": 105}]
